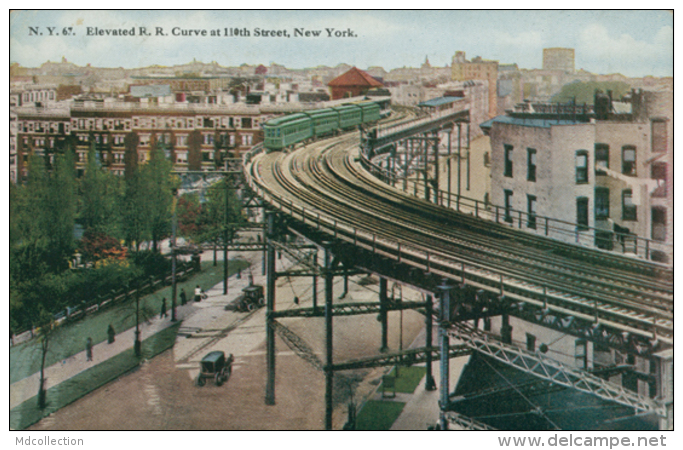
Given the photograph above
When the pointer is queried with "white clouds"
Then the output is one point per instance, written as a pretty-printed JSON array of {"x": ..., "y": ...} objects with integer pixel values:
[
  {"x": 633, "y": 43},
  {"x": 528, "y": 39},
  {"x": 624, "y": 53}
]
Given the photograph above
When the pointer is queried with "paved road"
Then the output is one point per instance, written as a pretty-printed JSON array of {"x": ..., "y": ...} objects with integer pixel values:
[{"x": 161, "y": 394}]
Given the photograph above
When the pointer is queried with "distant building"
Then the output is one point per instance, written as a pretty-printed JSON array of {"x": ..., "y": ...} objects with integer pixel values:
[
  {"x": 600, "y": 169},
  {"x": 558, "y": 59},
  {"x": 353, "y": 83},
  {"x": 477, "y": 69}
]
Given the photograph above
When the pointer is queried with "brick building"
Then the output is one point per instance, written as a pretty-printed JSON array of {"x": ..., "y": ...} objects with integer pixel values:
[
  {"x": 194, "y": 137},
  {"x": 353, "y": 83},
  {"x": 477, "y": 69}
]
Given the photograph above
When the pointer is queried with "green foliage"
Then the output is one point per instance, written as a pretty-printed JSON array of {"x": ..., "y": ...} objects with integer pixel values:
[
  {"x": 151, "y": 264},
  {"x": 43, "y": 215},
  {"x": 134, "y": 217},
  {"x": 213, "y": 213},
  {"x": 157, "y": 186},
  {"x": 408, "y": 378},
  {"x": 101, "y": 192},
  {"x": 584, "y": 92},
  {"x": 378, "y": 415},
  {"x": 189, "y": 213}
]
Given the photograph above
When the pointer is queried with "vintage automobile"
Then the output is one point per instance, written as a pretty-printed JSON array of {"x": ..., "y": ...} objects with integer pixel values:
[
  {"x": 250, "y": 299},
  {"x": 214, "y": 366}
]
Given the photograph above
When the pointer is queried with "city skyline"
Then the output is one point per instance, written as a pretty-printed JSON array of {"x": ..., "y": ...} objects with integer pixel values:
[{"x": 632, "y": 43}]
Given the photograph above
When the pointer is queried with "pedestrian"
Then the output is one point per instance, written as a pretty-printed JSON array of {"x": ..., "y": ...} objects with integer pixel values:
[
  {"x": 88, "y": 350},
  {"x": 163, "y": 308},
  {"x": 197, "y": 294},
  {"x": 111, "y": 334},
  {"x": 183, "y": 297}
]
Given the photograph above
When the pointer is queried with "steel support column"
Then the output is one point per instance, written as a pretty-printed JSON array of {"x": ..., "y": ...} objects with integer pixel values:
[
  {"x": 383, "y": 313},
  {"x": 430, "y": 385},
  {"x": 314, "y": 294},
  {"x": 457, "y": 200},
  {"x": 664, "y": 364},
  {"x": 436, "y": 167},
  {"x": 444, "y": 320},
  {"x": 270, "y": 307},
  {"x": 329, "y": 373},
  {"x": 506, "y": 329},
  {"x": 449, "y": 168}
]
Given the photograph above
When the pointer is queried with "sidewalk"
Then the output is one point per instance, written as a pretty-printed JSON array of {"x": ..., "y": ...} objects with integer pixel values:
[
  {"x": 57, "y": 373},
  {"x": 421, "y": 407}
]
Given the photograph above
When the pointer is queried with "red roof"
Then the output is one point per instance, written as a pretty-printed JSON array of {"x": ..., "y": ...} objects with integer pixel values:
[{"x": 355, "y": 77}]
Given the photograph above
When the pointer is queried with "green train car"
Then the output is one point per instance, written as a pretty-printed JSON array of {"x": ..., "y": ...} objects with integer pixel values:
[{"x": 286, "y": 131}]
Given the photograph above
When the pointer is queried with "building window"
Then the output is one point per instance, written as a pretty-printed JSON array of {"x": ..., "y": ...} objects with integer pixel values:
[
  {"x": 658, "y": 172},
  {"x": 508, "y": 161},
  {"x": 581, "y": 166},
  {"x": 582, "y": 213},
  {"x": 628, "y": 164},
  {"x": 601, "y": 158},
  {"x": 246, "y": 122},
  {"x": 658, "y": 223},
  {"x": 601, "y": 203},
  {"x": 508, "y": 205},
  {"x": 531, "y": 164},
  {"x": 629, "y": 211},
  {"x": 531, "y": 211},
  {"x": 659, "y": 135}
]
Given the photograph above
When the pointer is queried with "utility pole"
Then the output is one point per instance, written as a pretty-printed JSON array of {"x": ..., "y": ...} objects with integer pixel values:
[{"x": 225, "y": 236}]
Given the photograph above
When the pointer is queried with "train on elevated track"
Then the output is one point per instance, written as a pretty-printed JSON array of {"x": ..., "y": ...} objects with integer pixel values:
[{"x": 286, "y": 131}]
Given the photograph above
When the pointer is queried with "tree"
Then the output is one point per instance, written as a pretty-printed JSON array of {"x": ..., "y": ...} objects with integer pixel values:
[
  {"x": 44, "y": 320},
  {"x": 213, "y": 213},
  {"x": 158, "y": 184},
  {"x": 135, "y": 218},
  {"x": 61, "y": 210},
  {"x": 100, "y": 194},
  {"x": 189, "y": 217},
  {"x": 45, "y": 217},
  {"x": 583, "y": 92}
]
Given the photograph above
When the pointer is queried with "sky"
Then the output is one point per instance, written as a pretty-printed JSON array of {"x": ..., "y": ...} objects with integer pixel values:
[{"x": 633, "y": 43}]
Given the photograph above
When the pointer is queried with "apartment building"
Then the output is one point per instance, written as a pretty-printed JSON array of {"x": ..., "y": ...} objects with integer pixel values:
[
  {"x": 477, "y": 69},
  {"x": 194, "y": 137},
  {"x": 601, "y": 173}
]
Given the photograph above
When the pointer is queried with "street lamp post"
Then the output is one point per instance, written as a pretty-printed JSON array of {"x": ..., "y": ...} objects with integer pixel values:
[
  {"x": 174, "y": 256},
  {"x": 137, "y": 345}
]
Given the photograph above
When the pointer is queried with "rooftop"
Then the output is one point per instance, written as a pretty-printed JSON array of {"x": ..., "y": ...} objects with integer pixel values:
[
  {"x": 355, "y": 77},
  {"x": 528, "y": 122}
]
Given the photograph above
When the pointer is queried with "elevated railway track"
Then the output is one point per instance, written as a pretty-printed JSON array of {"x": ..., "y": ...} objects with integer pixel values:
[{"x": 324, "y": 188}]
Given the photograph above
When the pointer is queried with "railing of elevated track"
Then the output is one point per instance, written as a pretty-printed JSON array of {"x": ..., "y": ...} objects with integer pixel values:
[{"x": 570, "y": 232}]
